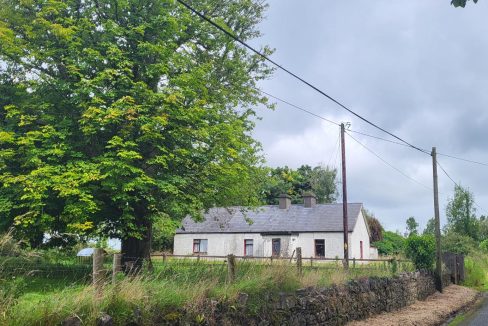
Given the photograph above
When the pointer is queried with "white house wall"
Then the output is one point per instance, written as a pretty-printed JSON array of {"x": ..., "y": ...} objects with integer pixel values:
[
  {"x": 222, "y": 244},
  {"x": 333, "y": 244},
  {"x": 360, "y": 233}
]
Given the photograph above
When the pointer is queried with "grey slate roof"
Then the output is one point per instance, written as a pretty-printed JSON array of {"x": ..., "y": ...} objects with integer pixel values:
[{"x": 320, "y": 218}]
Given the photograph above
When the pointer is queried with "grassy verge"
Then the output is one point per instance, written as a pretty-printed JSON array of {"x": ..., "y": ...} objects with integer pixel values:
[
  {"x": 172, "y": 286},
  {"x": 476, "y": 271}
]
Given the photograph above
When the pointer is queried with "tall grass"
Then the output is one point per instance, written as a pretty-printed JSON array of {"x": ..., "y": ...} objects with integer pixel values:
[
  {"x": 476, "y": 271},
  {"x": 172, "y": 286}
]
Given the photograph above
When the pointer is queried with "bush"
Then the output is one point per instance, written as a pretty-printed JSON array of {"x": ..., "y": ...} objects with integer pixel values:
[
  {"x": 458, "y": 243},
  {"x": 484, "y": 245},
  {"x": 392, "y": 244},
  {"x": 421, "y": 250},
  {"x": 475, "y": 275}
]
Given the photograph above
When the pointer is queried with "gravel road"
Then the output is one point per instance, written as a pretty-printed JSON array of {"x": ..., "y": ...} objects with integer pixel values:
[{"x": 433, "y": 311}]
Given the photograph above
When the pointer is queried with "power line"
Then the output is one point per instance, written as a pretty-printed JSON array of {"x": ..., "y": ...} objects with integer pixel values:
[
  {"x": 447, "y": 174},
  {"x": 336, "y": 149},
  {"x": 299, "y": 108},
  {"x": 387, "y": 163},
  {"x": 266, "y": 58},
  {"x": 463, "y": 159},
  {"x": 360, "y": 132},
  {"x": 424, "y": 150},
  {"x": 383, "y": 139},
  {"x": 456, "y": 184}
]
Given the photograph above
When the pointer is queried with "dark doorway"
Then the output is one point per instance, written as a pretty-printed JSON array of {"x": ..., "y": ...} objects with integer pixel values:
[
  {"x": 319, "y": 247},
  {"x": 276, "y": 247}
]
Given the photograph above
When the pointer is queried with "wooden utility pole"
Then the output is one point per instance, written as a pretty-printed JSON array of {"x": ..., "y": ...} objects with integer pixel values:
[
  {"x": 438, "y": 261},
  {"x": 344, "y": 199}
]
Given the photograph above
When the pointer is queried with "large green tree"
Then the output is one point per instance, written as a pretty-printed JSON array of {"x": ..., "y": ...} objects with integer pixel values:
[
  {"x": 114, "y": 114},
  {"x": 460, "y": 212},
  {"x": 430, "y": 227},
  {"x": 412, "y": 226},
  {"x": 284, "y": 180}
]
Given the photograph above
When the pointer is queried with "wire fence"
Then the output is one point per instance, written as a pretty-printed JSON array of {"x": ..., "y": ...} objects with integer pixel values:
[
  {"x": 198, "y": 268},
  {"x": 75, "y": 269}
]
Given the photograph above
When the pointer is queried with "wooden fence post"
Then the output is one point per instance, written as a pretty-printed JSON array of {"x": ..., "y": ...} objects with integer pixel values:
[
  {"x": 164, "y": 257},
  {"x": 98, "y": 269},
  {"x": 455, "y": 265},
  {"x": 394, "y": 266},
  {"x": 231, "y": 268},
  {"x": 299, "y": 261},
  {"x": 116, "y": 266},
  {"x": 311, "y": 261},
  {"x": 354, "y": 263}
]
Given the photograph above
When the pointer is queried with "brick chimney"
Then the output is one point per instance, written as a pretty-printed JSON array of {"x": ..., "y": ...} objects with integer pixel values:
[
  {"x": 285, "y": 201},
  {"x": 309, "y": 199}
]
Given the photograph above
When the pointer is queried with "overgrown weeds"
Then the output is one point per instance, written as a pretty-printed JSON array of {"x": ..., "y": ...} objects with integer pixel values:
[
  {"x": 476, "y": 271},
  {"x": 172, "y": 287}
]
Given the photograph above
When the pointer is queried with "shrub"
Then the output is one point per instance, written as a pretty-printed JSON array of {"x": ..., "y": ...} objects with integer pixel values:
[
  {"x": 484, "y": 245},
  {"x": 392, "y": 244},
  {"x": 458, "y": 243},
  {"x": 421, "y": 250},
  {"x": 475, "y": 275}
]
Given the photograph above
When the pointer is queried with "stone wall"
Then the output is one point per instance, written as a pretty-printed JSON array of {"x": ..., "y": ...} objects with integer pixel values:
[{"x": 335, "y": 305}]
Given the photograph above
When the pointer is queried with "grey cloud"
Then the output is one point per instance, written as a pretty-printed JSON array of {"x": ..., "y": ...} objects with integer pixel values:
[{"x": 417, "y": 68}]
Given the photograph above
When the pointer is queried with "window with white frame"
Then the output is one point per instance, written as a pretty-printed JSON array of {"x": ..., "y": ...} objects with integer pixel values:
[{"x": 200, "y": 246}]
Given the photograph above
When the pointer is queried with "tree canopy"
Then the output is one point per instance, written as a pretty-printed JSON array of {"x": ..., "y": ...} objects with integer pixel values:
[
  {"x": 461, "y": 3},
  {"x": 460, "y": 212},
  {"x": 392, "y": 244},
  {"x": 412, "y": 226},
  {"x": 116, "y": 114},
  {"x": 430, "y": 227},
  {"x": 284, "y": 180}
]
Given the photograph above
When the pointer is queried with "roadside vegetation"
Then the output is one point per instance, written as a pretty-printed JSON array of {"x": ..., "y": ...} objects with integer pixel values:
[
  {"x": 61, "y": 289},
  {"x": 465, "y": 233}
]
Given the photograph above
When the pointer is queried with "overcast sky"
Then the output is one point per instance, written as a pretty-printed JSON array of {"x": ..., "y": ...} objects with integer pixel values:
[{"x": 417, "y": 68}]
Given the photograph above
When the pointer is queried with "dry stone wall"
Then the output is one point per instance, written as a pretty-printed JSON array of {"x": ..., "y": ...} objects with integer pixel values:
[{"x": 334, "y": 305}]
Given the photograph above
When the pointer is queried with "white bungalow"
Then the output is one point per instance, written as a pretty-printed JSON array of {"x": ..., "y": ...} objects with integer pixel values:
[{"x": 277, "y": 230}]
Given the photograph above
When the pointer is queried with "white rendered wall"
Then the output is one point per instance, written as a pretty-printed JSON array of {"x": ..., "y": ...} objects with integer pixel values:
[
  {"x": 222, "y": 244},
  {"x": 360, "y": 233},
  {"x": 373, "y": 253},
  {"x": 333, "y": 244},
  {"x": 233, "y": 243}
]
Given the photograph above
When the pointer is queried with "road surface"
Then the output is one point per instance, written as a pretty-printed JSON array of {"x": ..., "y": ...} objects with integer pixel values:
[{"x": 478, "y": 317}]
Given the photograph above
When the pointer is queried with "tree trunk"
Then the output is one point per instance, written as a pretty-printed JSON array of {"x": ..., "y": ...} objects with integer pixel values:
[{"x": 137, "y": 251}]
